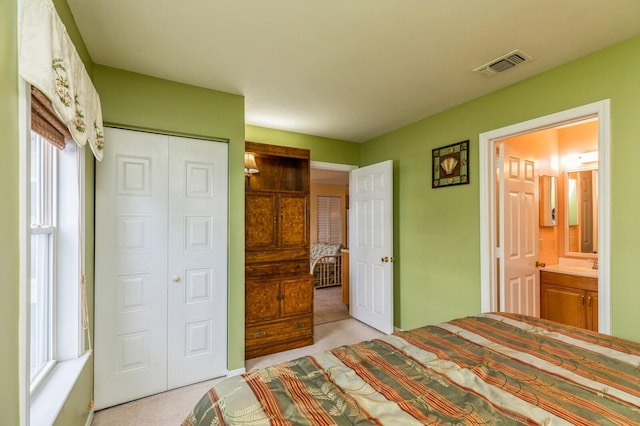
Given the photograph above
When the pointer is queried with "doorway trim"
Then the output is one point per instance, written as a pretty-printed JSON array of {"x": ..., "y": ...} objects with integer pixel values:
[
  {"x": 488, "y": 226},
  {"x": 321, "y": 165}
]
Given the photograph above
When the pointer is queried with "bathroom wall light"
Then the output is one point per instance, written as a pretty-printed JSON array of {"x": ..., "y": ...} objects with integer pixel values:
[{"x": 576, "y": 160}]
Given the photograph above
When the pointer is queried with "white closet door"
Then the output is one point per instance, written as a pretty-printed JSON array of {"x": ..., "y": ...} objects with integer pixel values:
[
  {"x": 197, "y": 304},
  {"x": 131, "y": 268},
  {"x": 161, "y": 264}
]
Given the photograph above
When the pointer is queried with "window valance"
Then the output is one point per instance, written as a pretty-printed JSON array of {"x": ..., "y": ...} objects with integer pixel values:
[{"x": 49, "y": 61}]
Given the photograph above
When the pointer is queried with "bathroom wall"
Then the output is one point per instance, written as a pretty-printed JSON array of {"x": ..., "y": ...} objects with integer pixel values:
[
  {"x": 549, "y": 146},
  {"x": 543, "y": 145}
]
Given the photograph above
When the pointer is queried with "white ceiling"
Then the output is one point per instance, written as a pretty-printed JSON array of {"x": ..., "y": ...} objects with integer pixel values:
[{"x": 346, "y": 69}]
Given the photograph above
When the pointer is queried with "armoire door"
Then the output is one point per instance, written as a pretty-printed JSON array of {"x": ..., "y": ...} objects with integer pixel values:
[
  {"x": 260, "y": 221},
  {"x": 293, "y": 218},
  {"x": 161, "y": 279}
]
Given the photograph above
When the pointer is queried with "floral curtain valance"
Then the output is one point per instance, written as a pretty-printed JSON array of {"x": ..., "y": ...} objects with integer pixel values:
[{"x": 49, "y": 61}]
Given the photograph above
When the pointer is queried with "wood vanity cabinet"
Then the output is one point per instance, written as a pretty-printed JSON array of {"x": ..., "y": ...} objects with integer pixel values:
[
  {"x": 569, "y": 299},
  {"x": 278, "y": 285}
]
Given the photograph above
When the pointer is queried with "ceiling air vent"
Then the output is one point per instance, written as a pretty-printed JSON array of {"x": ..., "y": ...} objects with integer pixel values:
[{"x": 503, "y": 63}]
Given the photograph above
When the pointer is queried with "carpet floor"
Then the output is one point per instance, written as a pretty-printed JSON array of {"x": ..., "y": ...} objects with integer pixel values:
[
  {"x": 170, "y": 408},
  {"x": 328, "y": 306}
]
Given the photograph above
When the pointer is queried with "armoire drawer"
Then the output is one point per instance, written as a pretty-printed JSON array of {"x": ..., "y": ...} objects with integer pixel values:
[
  {"x": 277, "y": 268},
  {"x": 274, "y": 332},
  {"x": 258, "y": 256}
]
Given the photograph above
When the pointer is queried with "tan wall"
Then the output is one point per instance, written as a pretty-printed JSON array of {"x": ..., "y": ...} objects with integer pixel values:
[
  {"x": 543, "y": 145},
  {"x": 549, "y": 146},
  {"x": 573, "y": 140},
  {"x": 330, "y": 191}
]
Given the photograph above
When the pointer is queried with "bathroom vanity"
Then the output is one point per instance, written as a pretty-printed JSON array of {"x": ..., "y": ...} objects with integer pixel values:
[{"x": 569, "y": 295}]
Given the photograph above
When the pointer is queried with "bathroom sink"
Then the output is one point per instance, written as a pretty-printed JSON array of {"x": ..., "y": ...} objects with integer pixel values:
[
  {"x": 573, "y": 266},
  {"x": 571, "y": 270}
]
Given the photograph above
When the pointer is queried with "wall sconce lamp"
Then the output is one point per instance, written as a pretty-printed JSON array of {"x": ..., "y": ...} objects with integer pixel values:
[{"x": 250, "y": 167}]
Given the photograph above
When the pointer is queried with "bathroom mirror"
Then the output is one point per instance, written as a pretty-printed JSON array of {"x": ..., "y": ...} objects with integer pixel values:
[
  {"x": 548, "y": 201},
  {"x": 581, "y": 230}
]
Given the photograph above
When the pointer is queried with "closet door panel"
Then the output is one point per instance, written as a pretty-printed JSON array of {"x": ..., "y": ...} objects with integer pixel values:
[
  {"x": 131, "y": 246},
  {"x": 197, "y": 285}
]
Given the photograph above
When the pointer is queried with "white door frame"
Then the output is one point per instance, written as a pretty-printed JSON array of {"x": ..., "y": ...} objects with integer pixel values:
[
  {"x": 321, "y": 165},
  {"x": 488, "y": 244}
]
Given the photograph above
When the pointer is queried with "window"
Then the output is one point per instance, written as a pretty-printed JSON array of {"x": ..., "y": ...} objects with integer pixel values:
[
  {"x": 42, "y": 208},
  {"x": 52, "y": 171},
  {"x": 329, "y": 219},
  {"x": 54, "y": 229}
]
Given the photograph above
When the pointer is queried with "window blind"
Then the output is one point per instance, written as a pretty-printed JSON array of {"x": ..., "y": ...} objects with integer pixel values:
[
  {"x": 329, "y": 219},
  {"x": 45, "y": 122}
]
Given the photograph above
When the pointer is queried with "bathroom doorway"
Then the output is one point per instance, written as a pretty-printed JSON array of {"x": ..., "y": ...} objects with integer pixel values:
[{"x": 494, "y": 293}]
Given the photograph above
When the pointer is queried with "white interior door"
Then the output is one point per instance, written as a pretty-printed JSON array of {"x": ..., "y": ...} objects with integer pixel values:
[
  {"x": 131, "y": 268},
  {"x": 371, "y": 245},
  {"x": 161, "y": 264},
  {"x": 519, "y": 287},
  {"x": 197, "y": 302}
]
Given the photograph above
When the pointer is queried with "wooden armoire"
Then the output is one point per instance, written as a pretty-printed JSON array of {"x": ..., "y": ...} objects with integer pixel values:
[{"x": 278, "y": 285}]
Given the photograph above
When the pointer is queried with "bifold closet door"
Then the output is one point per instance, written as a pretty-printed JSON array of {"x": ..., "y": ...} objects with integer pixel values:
[
  {"x": 161, "y": 256},
  {"x": 197, "y": 304}
]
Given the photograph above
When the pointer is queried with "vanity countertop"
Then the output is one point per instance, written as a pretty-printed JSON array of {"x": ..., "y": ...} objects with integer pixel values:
[{"x": 571, "y": 270}]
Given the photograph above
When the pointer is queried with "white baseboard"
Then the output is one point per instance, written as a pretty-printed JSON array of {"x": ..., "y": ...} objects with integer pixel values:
[
  {"x": 236, "y": 372},
  {"x": 89, "y": 419}
]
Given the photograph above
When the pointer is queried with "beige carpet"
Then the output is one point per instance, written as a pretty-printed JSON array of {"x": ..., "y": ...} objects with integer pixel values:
[
  {"x": 170, "y": 408},
  {"x": 328, "y": 306}
]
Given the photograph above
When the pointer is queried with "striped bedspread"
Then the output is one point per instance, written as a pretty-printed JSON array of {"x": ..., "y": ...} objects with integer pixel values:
[{"x": 489, "y": 369}]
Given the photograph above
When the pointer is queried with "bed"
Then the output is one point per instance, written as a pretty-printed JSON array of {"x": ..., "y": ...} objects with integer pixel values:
[
  {"x": 326, "y": 264},
  {"x": 488, "y": 369}
]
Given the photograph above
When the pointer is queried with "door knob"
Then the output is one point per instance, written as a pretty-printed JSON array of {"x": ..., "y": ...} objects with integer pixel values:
[
  {"x": 384, "y": 259},
  {"x": 175, "y": 279}
]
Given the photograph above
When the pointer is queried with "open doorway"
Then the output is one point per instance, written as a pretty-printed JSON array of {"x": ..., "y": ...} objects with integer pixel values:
[
  {"x": 329, "y": 205},
  {"x": 492, "y": 168}
]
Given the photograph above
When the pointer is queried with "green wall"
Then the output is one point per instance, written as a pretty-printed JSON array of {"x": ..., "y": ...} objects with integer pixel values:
[
  {"x": 140, "y": 102},
  {"x": 322, "y": 149},
  {"x": 72, "y": 29},
  {"x": 436, "y": 231},
  {"x": 9, "y": 223},
  {"x": 9, "y": 289}
]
